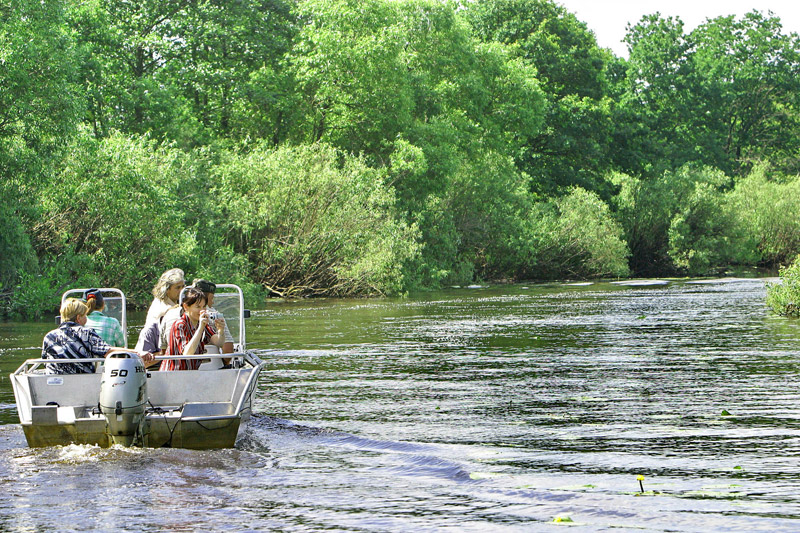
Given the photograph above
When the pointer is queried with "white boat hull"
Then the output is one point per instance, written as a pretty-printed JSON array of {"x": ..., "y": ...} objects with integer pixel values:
[{"x": 186, "y": 409}]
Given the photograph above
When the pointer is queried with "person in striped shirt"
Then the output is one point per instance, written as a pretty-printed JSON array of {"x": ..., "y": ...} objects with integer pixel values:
[
  {"x": 191, "y": 332},
  {"x": 107, "y": 327}
]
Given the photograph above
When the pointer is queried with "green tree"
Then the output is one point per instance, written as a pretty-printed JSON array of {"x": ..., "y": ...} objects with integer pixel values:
[
  {"x": 382, "y": 77},
  {"x": 39, "y": 110},
  {"x": 118, "y": 202},
  {"x": 658, "y": 104},
  {"x": 38, "y": 101},
  {"x": 724, "y": 95},
  {"x": 124, "y": 48},
  {"x": 679, "y": 222},
  {"x": 574, "y": 236},
  {"x": 750, "y": 75},
  {"x": 767, "y": 212},
  {"x": 184, "y": 70},
  {"x": 572, "y": 147},
  {"x": 347, "y": 62},
  {"x": 229, "y": 67}
]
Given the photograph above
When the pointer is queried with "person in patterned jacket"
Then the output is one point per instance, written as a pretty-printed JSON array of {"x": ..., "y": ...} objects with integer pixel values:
[{"x": 71, "y": 340}]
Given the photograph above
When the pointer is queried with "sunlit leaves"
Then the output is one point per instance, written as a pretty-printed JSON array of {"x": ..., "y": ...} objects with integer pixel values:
[
  {"x": 38, "y": 96},
  {"x": 572, "y": 147},
  {"x": 784, "y": 297},
  {"x": 314, "y": 221}
]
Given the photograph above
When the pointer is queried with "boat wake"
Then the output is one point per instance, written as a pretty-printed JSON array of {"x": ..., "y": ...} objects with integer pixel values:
[{"x": 284, "y": 438}]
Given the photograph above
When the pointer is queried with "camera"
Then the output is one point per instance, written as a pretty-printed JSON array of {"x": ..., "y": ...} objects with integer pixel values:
[{"x": 212, "y": 316}]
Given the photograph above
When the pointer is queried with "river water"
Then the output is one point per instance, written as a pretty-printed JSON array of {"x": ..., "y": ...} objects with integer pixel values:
[{"x": 514, "y": 408}]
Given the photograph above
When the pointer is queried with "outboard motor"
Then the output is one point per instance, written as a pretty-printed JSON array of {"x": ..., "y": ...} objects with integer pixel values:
[{"x": 123, "y": 397}]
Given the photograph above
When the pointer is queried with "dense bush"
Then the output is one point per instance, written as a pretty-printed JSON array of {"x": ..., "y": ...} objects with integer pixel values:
[
  {"x": 119, "y": 212},
  {"x": 768, "y": 215},
  {"x": 119, "y": 202},
  {"x": 18, "y": 255},
  {"x": 574, "y": 236},
  {"x": 704, "y": 234},
  {"x": 40, "y": 289},
  {"x": 784, "y": 297},
  {"x": 681, "y": 222},
  {"x": 312, "y": 220},
  {"x": 470, "y": 228}
]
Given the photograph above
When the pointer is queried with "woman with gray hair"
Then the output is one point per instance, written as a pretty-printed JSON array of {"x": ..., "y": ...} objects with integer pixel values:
[{"x": 165, "y": 296}]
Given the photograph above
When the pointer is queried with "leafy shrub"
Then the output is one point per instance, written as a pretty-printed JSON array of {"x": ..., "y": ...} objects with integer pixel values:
[
  {"x": 40, "y": 289},
  {"x": 487, "y": 202},
  {"x": 784, "y": 297},
  {"x": 768, "y": 214},
  {"x": 645, "y": 209},
  {"x": 17, "y": 256},
  {"x": 704, "y": 233},
  {"x": 312, "y": 220},
  {"x": 119, "y": 202},
  {"x": 470, "y": 226},
  {"x": 575, "y": 236},
  {"x": 680, "y": 222}
]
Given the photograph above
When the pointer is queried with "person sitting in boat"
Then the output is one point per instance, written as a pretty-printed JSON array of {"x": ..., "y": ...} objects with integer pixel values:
[
  {"x": 209, "y": 289},
  {"x": 72, "y": 340},
  {"x": 149, "y": 338},
  {"x": 191, "y": 332},
  {"x": 215, "y": 363},
  {"x": 107, "y": 327},
  {"x": 165, "y": 295},
  {"x": 172, "y": 315}
]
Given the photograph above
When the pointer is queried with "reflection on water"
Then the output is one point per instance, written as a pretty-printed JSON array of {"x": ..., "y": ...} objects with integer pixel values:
[{"x": 475, "y": 409}]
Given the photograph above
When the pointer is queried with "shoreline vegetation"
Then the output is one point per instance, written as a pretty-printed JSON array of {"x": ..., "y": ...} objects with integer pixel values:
[{"x": 337, "y": 148}]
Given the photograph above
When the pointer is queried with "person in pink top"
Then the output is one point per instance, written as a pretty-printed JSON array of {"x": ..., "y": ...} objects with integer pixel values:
[{"x": 191, "y": 332}]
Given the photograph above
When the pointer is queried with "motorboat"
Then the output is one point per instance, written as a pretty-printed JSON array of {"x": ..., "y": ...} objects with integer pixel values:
[{"x": 124, "y": 403}]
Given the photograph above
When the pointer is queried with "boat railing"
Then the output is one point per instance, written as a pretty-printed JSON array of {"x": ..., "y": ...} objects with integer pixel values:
[
  {"x": 242, "y": 357},
  {"x": 239, "y": 359}
]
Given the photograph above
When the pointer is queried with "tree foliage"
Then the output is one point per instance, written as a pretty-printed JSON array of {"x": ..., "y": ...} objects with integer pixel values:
[
  {"x": 38, "y": 100},
  {"x": 679, "y": 222},
  {"x": 767, "y": 212},
  {"x": 342, "y": 147},
  {"x": 572, "y": 147},
  {"x": 573, "y": 236},
  {"x": 313, "y": 220},
  {"x": 724, "y": 95}
]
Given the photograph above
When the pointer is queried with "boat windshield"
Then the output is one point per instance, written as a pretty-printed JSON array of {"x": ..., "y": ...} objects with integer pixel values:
[
  {"x": 114, "y": 306},
  {"x": 229, "y": 301}
]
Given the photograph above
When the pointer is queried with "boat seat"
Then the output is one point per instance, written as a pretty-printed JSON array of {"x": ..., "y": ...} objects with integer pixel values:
[{"x": 51, "y": 415}]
